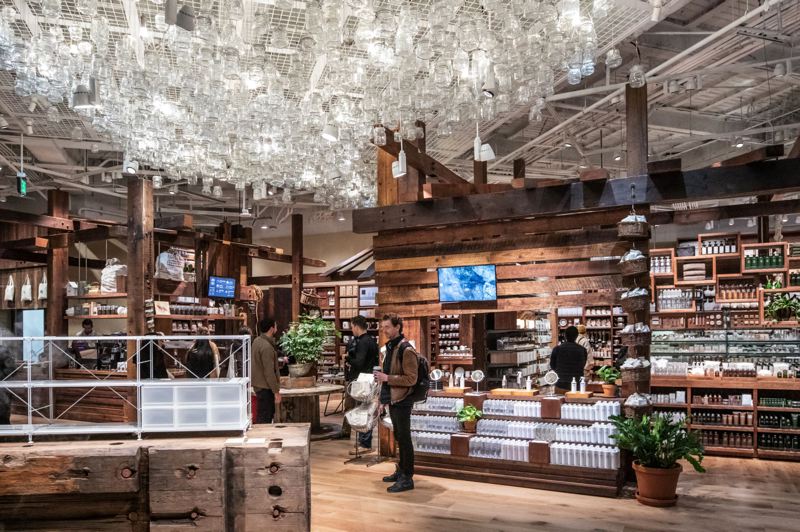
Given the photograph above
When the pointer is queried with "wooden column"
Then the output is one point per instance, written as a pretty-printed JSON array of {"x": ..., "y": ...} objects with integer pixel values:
[
  {"x": 141, "y": 267},
  {"x": 480, "y": 171},
  {"x": 57, "y": 269},
  {"x": 479, "y": 343},
  {"x": 297, "y": 262},
  {"x": 636, "y": 129},
  {"x": 519, "y": 169},
  {"x": 387, "y": 185}
]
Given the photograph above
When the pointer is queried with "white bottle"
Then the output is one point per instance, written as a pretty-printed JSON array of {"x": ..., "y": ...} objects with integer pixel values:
[
  {"x": 503, "y": 385},
  {"x": 583, "y": 384},
  {"x": 528, "y": 383},
  {"x": 573, "y": 385}
]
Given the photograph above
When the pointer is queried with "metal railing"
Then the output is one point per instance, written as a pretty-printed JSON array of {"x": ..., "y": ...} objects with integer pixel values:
[{"x": 52, "y": 398}]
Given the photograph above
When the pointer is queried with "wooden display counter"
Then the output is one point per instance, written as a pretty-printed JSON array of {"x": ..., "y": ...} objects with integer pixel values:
[
  {"x": 95, "y": 404},
  {"x": 204, "y": 484}
]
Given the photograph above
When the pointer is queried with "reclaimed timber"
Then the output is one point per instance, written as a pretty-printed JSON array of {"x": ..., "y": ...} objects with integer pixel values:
[
  {"x": 31, "y": 243},
  {"x": 519, "y": 169},
  {"x": 444, "y": 190},
  {"x": 204, "y": 483},
  {"x": 176, "y": 221},
  {"x": 41, "y": 258},
  {"x": 636, "y": 129},
  {"x": 349, "y": 263},
  {"x": 491, "y": 188},
  {"x": 58, "y": 262},
  {"x": 416, "y": 159},
  {"x": 480, "y": 171},
  {"x": 765, "y": 177},
  {"x": 141, "y": 269},
  {"x": 594, "y": 174},
  {"x": 564, "y": 241},
  {"x": 759, "y": 154},
  {"x": 277, "y": 257},
  {"x": 387, "y": 186},
  {"x": 308, "y": 278},
  {"x": 747, "y": 210},
  {"x": 545, "y": 225},
  {"x": 500, "y": 257},
  {"x": 665, "y": 166},
  {"x": 49, "y": 221},
  {"x": 409, "y": 186},
  {"x": 89, "y": 235},
  {"x": 297, "y": 264}
]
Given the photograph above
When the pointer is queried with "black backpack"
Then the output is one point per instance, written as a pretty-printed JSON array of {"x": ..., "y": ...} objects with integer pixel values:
[{"x": 419, "y": 392}]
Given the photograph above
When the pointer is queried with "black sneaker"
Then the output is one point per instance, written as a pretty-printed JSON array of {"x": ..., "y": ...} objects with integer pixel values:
[
  {"x": 403, "y": 484},
  {"x": 394, "y": 477}
]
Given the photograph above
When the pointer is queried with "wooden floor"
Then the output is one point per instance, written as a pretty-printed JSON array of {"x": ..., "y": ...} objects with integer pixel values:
[{"x": 735, "y": 495}]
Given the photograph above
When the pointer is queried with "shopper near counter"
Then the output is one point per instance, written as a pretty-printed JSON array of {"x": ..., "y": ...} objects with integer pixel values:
[
  {"x": 266, "y": 376},
  {"x": 399, "y": 376},
  {"x": 568, "y": 360},
  {"x": 583, "y": 341},
  {"x": 153, "y": 351},
  {"x": 84, "y": 349},
  {"x": 202, "y": 360},
  {"x": 362, "y": 355}
]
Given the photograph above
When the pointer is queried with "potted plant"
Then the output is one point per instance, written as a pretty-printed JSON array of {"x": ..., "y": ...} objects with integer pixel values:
[
  {"x": 305, "y": 341},
  {"x": 469, "y": 416},
  {"x": 609, "y": 376},
  {"x": 782, "y": 308},
  {"x": 657, "y": 444}
]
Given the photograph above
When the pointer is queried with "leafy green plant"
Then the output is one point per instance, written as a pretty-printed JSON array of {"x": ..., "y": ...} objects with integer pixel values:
[
  {"x": 782, "y": 307},
  {"x": 469, "y": 413},
  {"x": 609, "y": 374},
  {"x": 306, "y": 338},
  {"x": 658, "y": 442}
]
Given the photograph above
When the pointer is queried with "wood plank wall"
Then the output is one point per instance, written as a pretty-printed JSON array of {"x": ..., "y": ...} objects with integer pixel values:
[{"x": 537, "y": 261}]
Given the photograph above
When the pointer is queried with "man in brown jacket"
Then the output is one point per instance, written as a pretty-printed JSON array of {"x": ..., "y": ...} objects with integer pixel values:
[
  {"x": 266, "y": 378},
  {"x": 399, "y": 376}
]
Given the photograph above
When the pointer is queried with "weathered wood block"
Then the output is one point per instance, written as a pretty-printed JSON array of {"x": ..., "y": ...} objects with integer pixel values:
[
  {"x": 551, "y": 407},
  {"x": 459, "y": 444},
  {"x": 539, "y": 452},
  {"x": 475, "y": 399}
]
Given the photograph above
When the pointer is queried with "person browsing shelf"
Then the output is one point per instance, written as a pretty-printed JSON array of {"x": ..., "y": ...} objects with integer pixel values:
[
  {"x": 568, "y": 360},
  {"x": 266, "y": 376},
  {"x": 362, "y": 355}
]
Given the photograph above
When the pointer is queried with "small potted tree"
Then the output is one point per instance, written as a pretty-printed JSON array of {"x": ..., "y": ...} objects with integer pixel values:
[
  {"x": 609, "y": 376},
  {"x": 469, "y": 416},
  {"x": 305, "y": 341},
  {"x": 657, "y": 444}
]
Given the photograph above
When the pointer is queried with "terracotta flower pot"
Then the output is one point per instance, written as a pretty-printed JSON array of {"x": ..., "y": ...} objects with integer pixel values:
[
  {"x": 301, "y": 370},
  {"x": 470, "y": 426},
  {"x": 609, "y": 390},
  {"x": 656, "y": 487}
]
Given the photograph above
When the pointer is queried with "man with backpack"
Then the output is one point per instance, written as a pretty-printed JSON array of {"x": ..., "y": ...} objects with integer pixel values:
[{"x": 401, "y": 387}]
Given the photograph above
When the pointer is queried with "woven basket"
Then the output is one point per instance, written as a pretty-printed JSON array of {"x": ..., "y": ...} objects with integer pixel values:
[
  {"x": 634, "y": 267},
  {"x": 636, "y": 374},
  {"x": 636, "y": 338},
  {"x": 637, "y": 411},
  {"x": 635, "y": 304},
  {"x": 633, "y": 230}
]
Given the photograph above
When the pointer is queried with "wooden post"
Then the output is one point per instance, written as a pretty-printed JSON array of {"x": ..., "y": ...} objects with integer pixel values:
[
  {"x": 480, "y": 171},
  {"x": 57, "y": 269},
  {"x": 387, "y": 185},
  {"x": 519, "y": 169},
  {"x": 763, "y": 222},
  {"x": 636, "y": 129},
  {"x": 297, "y": 263},
  {"x": 140, "y": 269}
]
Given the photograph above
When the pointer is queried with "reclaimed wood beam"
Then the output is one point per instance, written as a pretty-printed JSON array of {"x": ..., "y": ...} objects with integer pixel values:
[
  {"x": 39, "y": 220},
  {"x": 297, "y": 264},
  {"x": 308, "y": 278},
  {"x": 58, "y": 262},
  {"x": 281, "y": 257},
  {"x": 32, "y": 243},
  {"x": 765, "y": 177},
  {"x": 760, "y": 154},
  {"x": 41, "y": 258},
  {"x": 480, "y": 172},
  {"x": 177, "y": 221},
  {"x": 636, "y": 129},
  {"x": 419, "y": 160}
]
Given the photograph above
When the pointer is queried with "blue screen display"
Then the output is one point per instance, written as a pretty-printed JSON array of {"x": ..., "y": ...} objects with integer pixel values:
[
  {"x": 223, "y": 287},
  {"x": 467, "y": 283}
]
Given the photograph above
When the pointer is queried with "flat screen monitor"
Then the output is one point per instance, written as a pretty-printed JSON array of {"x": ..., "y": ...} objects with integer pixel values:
[
  {"x": 467, "y": 283},
  {"x": 222, "y": 287}
]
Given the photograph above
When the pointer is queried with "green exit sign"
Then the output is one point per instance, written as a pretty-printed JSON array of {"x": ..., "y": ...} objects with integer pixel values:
[{"x": 22, "y": 184}]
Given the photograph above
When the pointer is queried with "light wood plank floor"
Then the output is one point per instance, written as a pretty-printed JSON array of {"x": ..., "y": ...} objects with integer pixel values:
[{"x": 735, "y": 495}]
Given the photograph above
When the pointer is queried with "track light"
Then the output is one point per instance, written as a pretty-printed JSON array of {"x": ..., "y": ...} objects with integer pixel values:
[
  {"x": 731, "y": 222},
  {"x": 780, "y": 70},
  {"x": 738, "y": 142},
  {"x": 271, "y": 191},
  {"x": 567, "y": 144},
  {"x": 784, "y": 219},
  {"x": 264, "y": 227},
  {"x": 617, "y": 156},
  {"x": 3, "y": 122},
  {"x": 330, "y": 133},
  {"x": 130, "y": 166},
  {"x": 489, "y": 88},
  {"x": 158, "y": 181},
  {"x": 245, "y": 212},
  {"x": 340, "y": 216},
  {"x": 400, "y": 166},
  {"x": 487, "y": 153},
  {"x": 29, "y": 126},
  {"x": 751, "y": 222},
  {"x": 32, "y": 106},
  {"x": 173, "y": 189},
  {"x": 709, "y": 226},
  {"x": 655, "y": 16}
]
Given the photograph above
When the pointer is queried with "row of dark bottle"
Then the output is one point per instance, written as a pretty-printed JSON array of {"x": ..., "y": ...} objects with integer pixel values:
[
  {"x": 764, "y": 262},
  {"x": 779, "y": 421},
  {"x": 740, "y": 419},
  {"x": 781, "y": 442},
  {"x": 713, "y": 438},
  {"x": 716, "y": 399},
  {"x": 778, "y": 402}
]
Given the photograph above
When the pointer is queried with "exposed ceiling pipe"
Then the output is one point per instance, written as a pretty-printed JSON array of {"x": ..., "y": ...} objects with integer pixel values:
[{"x": 653, "y": 72}]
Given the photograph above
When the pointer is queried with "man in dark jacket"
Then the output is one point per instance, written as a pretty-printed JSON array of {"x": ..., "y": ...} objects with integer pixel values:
[
  {"x": 399, "y": 376},
  {"x": 362, "y": 356},
  {"x": 568, "y": 360}
]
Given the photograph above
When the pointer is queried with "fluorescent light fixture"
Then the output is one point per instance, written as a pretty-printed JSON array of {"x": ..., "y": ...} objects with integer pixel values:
[{"x": 130, "y": 166}]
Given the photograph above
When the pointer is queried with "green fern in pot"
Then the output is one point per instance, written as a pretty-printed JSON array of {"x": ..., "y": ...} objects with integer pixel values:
[{"x": 305, "y": 341}]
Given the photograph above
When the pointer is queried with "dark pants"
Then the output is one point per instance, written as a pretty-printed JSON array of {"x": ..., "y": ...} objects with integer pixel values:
[
  {"x": 401, "y": 423},
  {"x": 265, "y": 408}
]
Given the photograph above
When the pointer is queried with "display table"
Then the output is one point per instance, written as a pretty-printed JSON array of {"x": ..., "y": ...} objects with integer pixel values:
[
  {"x": 97, "y": 403},
  {"x": 301, "y": 405}
]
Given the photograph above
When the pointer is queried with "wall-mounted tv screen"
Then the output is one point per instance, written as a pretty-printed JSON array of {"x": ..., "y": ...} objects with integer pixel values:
[
  {"x": 222, "y": 287},
  {"x": 467, "y": 283}
]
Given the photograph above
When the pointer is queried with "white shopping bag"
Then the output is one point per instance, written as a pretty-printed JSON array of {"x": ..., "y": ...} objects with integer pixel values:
[
  {"x": 26, "y": 293},
  {"x": 10, "y": 290},
  {"x": 43, "y": 289}
]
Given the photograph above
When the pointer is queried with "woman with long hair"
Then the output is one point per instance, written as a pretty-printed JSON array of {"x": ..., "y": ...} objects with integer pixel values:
[{"x": 202, "y": 361}]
